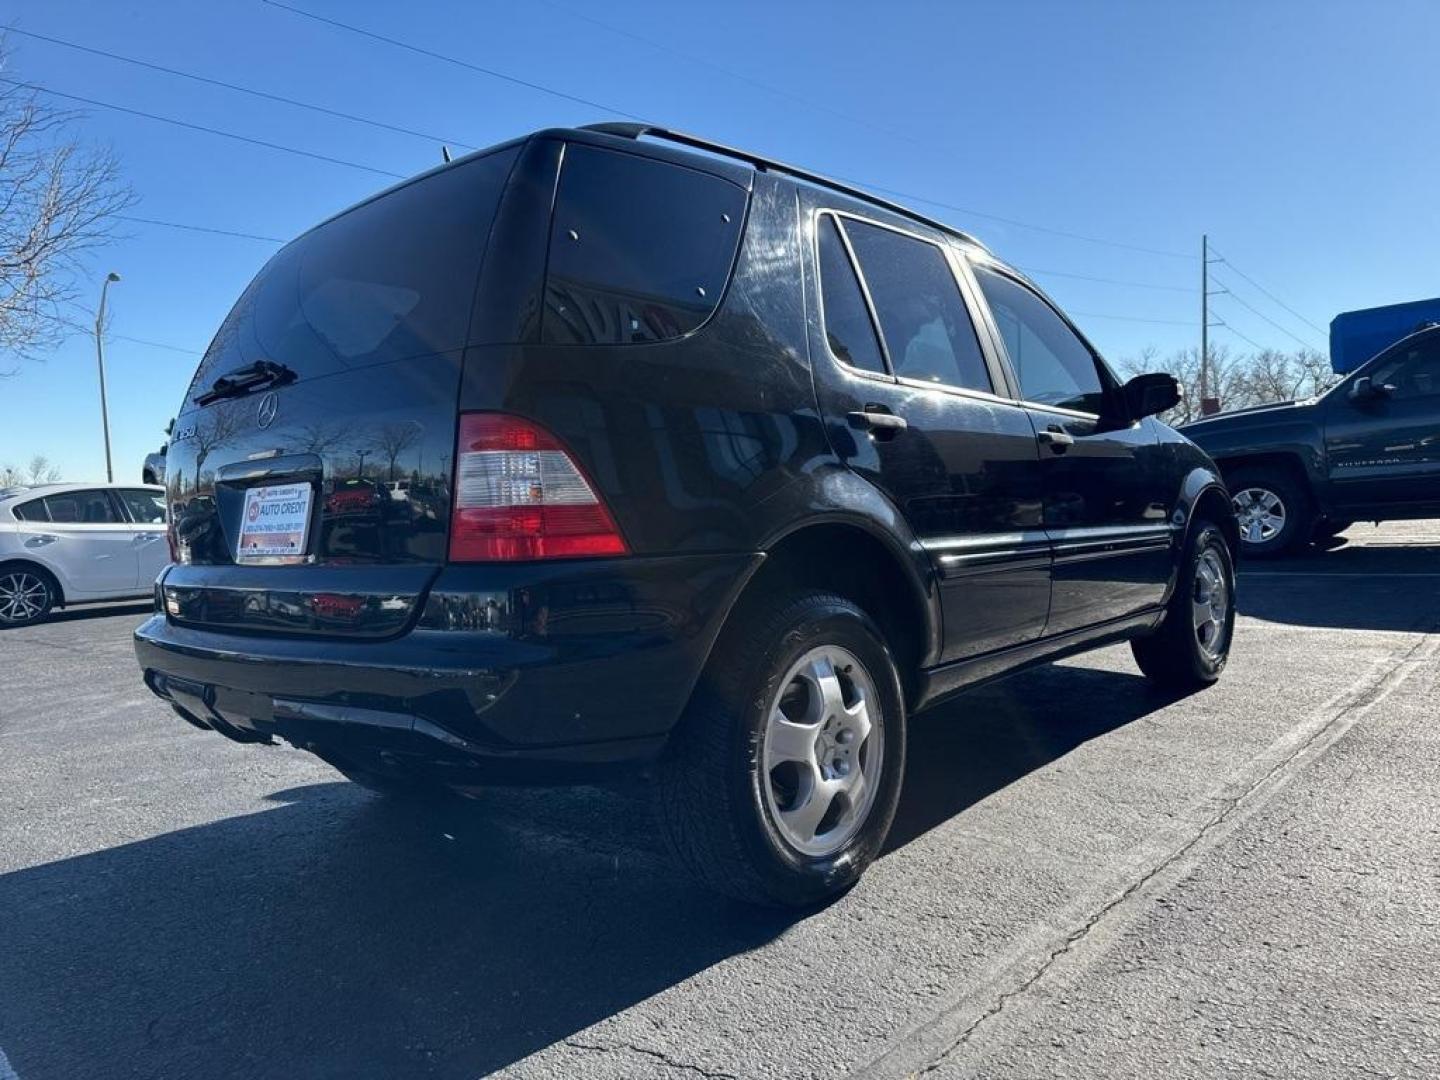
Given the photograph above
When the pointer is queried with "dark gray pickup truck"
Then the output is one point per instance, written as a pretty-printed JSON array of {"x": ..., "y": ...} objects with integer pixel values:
[{"x": 1368, "y": 449}]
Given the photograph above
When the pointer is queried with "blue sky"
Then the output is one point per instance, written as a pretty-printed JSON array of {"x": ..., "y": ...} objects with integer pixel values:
[{"x": 1301, "y": 136}]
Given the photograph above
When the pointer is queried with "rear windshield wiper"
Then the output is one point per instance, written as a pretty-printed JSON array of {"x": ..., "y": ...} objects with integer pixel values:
[{"x": 242, "y": 380}]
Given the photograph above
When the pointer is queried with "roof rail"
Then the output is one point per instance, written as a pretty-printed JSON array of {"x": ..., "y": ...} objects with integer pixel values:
[{"x": 764, "y": 164}]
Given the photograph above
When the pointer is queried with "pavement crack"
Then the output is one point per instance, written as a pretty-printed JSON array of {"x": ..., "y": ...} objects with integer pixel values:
[
  {"x": 1361, "y": 698},
  {"x": 645, "y": 1051}
]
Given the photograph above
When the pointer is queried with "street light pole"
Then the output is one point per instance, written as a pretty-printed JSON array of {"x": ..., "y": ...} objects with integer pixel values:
[{"x": 100, "y": 359}]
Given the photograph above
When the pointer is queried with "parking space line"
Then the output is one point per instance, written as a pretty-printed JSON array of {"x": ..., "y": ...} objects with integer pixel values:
[{"x": 1338, "y": 574}]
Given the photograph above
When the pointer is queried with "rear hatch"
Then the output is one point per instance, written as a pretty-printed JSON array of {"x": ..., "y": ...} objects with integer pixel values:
[{"x": 309, "y": 473}]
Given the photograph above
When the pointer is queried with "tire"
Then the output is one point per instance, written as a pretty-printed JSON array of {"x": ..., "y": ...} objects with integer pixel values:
[
  {"x": 1260, "y": 493},
  {"x": 27, "y": 593},
  {"x": 1183, "y": 654},
  {"x": 738, "y": 793}
]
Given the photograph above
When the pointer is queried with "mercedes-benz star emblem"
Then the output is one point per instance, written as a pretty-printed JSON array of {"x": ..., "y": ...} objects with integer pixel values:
[{"x": 268, "y": 406}]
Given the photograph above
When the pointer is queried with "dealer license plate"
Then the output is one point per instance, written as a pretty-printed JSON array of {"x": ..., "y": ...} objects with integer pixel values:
[{"x": 275, "y": 524}]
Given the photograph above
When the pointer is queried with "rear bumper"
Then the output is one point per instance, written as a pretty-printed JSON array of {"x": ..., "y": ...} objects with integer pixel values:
[{"x": 512, "y": 673}]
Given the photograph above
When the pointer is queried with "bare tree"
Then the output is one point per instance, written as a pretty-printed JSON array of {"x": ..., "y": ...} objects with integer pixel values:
[
  {"x": 41, "y": 471},
  {"x": 1184, "y": 364},
  {"x": 320, "y": 437},
  {"x": 394, "y": 439},
  {"x": 58, "y": 200},
  {"x": 1239, "y": 381},
  {"x": 217, "y": 426},
  {"x": 11, "y": 477}
]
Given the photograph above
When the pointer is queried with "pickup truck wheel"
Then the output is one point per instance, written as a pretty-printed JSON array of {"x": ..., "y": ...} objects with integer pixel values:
[
  {"x": 780, "y": 782},
  {"x": 1273, "y": 510},
  {"x": 27, "y": 594},
  {"x": 1192, "y": 644}
]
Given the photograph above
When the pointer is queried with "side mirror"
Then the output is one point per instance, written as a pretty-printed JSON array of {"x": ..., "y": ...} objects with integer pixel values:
[
  {"x": 1365, "y": 389},
  {"x": 1151, "y": 393}
]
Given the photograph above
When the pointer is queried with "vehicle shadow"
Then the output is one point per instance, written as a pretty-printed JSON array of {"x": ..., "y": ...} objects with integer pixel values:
[
  {"x": 1358, "y": 587},
  {"x": 92, "y": 611},
  {"x": 337, "y": 934}
]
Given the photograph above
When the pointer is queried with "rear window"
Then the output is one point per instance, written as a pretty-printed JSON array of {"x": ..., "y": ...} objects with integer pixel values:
[
  {"x": 392, "y": 279},
  {"x": 71, "y": 508},
  {"x": 640, "y": 250}
]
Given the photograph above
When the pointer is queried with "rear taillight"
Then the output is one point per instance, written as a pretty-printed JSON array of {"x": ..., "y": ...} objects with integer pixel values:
[{"x": 520, "y": 495}]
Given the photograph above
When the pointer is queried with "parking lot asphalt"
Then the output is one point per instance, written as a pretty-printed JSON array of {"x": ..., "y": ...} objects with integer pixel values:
[{"x": 1086, "y": 879}]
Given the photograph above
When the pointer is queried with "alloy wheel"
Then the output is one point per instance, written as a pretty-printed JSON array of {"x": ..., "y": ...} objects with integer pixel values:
[
  {"x": 822, "y": 751},
  {"x": 23, "y": 596},
  {"x": 1210, "y": 603},
  {"x": 1261, "y": 514}
]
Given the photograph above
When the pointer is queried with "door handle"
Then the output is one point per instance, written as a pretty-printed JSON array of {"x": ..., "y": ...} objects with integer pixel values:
[
  {"x": 878, "y": 420},
  {"x": 1058, "y": 441}
]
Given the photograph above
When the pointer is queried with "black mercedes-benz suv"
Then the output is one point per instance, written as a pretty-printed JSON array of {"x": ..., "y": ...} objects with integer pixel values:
[{"x": 612, "y": 447}]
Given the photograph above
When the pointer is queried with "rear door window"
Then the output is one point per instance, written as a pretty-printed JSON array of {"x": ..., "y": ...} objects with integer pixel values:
[
  {"x": 927, "y": 328},
  {"x": 81, "y": 508},
  {"x": 1053, "y": 365},
  {"x": 848, "y": 329},
  {"x": 640, "y": 249},
  {"x": 34, "y": 510},
  {"x": 392, "y": 279}
]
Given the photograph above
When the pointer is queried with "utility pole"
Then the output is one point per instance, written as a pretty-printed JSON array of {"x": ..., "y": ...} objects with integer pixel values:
[
  {"x": 100, "y": 359},
  {"x": 1204, "y": 320},
  {"x": 1208, "y": 404}
]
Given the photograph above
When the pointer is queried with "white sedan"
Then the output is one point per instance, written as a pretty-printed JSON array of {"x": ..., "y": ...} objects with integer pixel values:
[{"x": 73, "y": 543}]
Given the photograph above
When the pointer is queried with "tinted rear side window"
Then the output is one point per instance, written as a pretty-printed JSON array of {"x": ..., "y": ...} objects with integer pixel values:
[
  {"x": 640, "y": 249},
  {"x": 81, "y": 508},
  {"x": 34, "y": 510},
  {"x": 923, "y": 317},
  {"x": 392, "y": 279},
  {"x": 848, "y": 328}
]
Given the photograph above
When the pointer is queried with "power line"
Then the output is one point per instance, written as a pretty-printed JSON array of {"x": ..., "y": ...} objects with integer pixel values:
[
  {"x": 778, "y": 91},
  {"x": 1260, "y": 314},
  {"x": 1226, "y": 326},
  {"x": 1107, "y": 281},
  {"x": 200, "y": 228},
  {"x": 1132, "y": 318},
  {"x": 397, "y": 43},
  {"x": 1011, "y": 221},
  {"x": 1271, "y": 295},
  {"x": 263, "y": 94},
  {"x": 155, "y": 344},
  {"x": 201, "y": 127}
]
